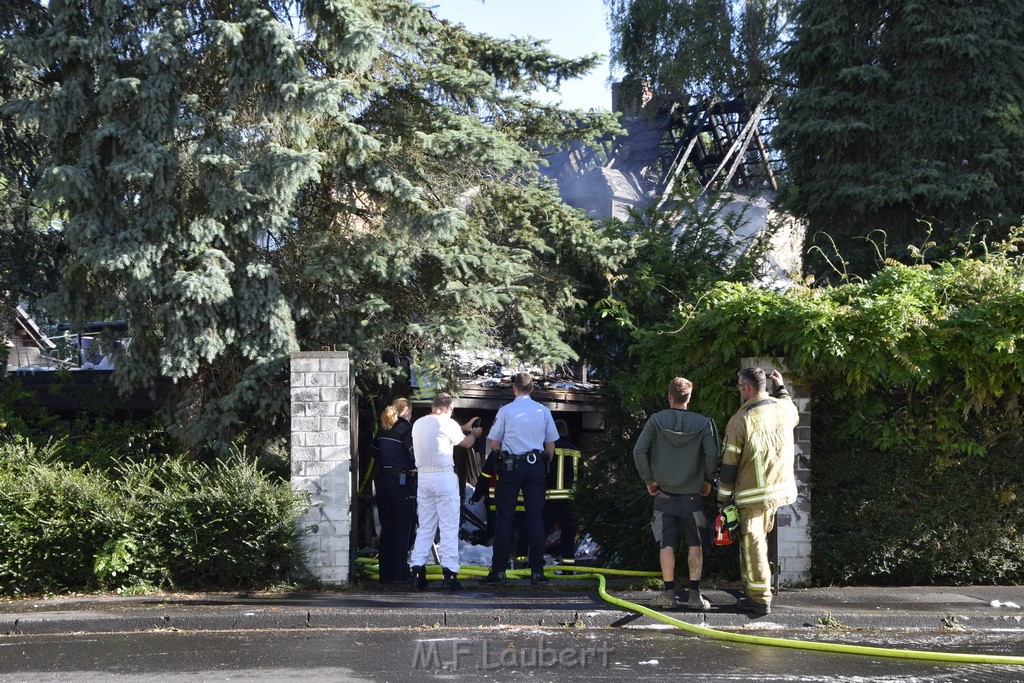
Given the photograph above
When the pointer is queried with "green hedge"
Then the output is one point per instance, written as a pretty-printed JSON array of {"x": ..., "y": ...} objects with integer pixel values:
[
  {"x": 171, "y": 523},
  {"x": 194, "y": 526},
  {"x": 895, "y": 517},
  {"x": 51, "y": 522}
]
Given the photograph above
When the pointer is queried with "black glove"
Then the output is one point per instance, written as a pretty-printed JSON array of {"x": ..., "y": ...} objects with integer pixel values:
[{"x": 480, "y": 490}]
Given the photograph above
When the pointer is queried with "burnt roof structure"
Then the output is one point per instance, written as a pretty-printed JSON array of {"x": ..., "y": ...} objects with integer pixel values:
[
  {"x": 718, "y": 150},
  {"x": 711, "y": 144}
]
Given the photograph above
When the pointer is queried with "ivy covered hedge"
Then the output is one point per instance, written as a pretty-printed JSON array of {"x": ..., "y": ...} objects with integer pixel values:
[
  {"x": 902, "y": 516},
  {"x": 916, "y": 376},
  {"x": 158, "y": 523}
]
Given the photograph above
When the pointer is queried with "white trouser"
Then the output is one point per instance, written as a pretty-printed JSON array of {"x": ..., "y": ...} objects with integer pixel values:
[{"x": 438, "y": 503}]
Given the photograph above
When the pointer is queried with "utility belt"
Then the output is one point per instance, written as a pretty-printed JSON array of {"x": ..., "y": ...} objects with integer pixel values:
[
  {"x": 510, "y": 462},
  {"x": 397, "y": 472},
  {"x": 403, "y": 476}
]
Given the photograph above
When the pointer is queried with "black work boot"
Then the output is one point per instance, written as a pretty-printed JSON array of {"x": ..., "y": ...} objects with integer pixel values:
[
  {"x": 538, "y": 579},
  {"x": 450, "y": 580},
  {"x": 754, "y": 609},
  {"x": 419, "y": 578},
  {"x": 493, "y": 578}
]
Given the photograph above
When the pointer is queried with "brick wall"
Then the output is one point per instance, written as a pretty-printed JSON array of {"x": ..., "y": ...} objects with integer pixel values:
[
  {"x": 793, "y": 523},
  {"x": 321, "y": 450}
]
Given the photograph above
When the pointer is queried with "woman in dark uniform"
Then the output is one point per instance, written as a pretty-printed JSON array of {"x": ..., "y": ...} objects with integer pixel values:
[{"x": 396, "y": 491}]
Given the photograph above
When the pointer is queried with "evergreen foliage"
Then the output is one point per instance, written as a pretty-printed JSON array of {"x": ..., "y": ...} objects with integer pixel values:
[
  {"x": 241, "y": 182},
  {"x": 895, "y": 517},
  {"x": 185, "y": 525},
  {"x": 903, "y": 112},
  {"x": 916, "y": 382},
  {"x": 50, "y": 521},
  {"x": 32, "y": 251},
  {"x": 704, "y": 48}
]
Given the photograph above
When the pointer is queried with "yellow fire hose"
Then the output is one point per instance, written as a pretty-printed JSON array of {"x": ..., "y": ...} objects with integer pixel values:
[{"x": 370, "y": 565}]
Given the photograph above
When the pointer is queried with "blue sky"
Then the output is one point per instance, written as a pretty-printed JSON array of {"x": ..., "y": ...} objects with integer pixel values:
[{"x": 573, "y": 28}]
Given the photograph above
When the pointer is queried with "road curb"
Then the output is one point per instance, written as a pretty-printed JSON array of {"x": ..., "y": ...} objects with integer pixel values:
[
  {"x": 435, "y": 617},
  {"x": 925, "y": 609}
]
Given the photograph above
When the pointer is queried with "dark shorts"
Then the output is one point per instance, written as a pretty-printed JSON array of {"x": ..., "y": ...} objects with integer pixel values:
[{"x": 673, "y": 512}]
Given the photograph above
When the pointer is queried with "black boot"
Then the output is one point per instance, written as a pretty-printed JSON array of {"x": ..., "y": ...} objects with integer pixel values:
[
  {"x": 538, "y": 579},
  {"x": 450, "y": 582},
  {"x": 493, "y": 578},
  {"x": 419, "y": 578}
]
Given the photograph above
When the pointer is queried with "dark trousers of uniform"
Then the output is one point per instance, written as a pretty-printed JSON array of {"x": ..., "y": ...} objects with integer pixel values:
[
  {"x": 530, "y": 480},
  {"x": 396, "y": 507},
  {"x": 560, "y": 511},
  {"x": 520, "y": 543}
]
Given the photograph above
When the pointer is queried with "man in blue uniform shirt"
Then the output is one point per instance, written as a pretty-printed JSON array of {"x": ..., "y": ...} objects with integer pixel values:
[{"x": 524, "y": 435}]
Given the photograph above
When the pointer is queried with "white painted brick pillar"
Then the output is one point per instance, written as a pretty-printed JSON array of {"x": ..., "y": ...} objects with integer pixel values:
[
  {"x": 793, "y": 523},
  {"x": 321, "y": 450}
]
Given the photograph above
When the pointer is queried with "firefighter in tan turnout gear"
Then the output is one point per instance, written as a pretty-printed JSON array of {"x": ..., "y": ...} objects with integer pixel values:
[{"x": 757, "y": 473}]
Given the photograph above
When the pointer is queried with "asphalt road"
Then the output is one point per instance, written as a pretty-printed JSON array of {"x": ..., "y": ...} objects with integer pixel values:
[{"x": 496, "y": 654}]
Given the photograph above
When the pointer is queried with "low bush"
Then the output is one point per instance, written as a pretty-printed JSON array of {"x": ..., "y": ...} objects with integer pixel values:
[
  {"x": 195, "y": 526},
  {"x": 170, "y": 523},
  {"x": 51, "y": 521}
]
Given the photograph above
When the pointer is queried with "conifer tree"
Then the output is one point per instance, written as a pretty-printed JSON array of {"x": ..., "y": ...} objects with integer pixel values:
[
  {"x": 30, "y": 251},
  {"x": 903, "y": 112},
  {"x": 246, "y": 178},
  {"x": 703, "y": 48}
]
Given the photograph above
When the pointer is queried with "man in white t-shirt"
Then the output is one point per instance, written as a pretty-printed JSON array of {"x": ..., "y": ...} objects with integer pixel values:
[{"x": 438, "y": 499}]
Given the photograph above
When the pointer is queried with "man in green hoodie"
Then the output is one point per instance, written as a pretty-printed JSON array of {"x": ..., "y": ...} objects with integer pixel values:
[{"x": 677, "y": 457}]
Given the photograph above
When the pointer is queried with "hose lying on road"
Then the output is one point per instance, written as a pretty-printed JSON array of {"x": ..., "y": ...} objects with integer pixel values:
[{"x": 568, "y": 571}]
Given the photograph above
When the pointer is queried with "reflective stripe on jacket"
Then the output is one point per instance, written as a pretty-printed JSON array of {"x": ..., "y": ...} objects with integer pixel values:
[
  {"x": 758, "y": 458},
  {"x": 562, "y": 471}
]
